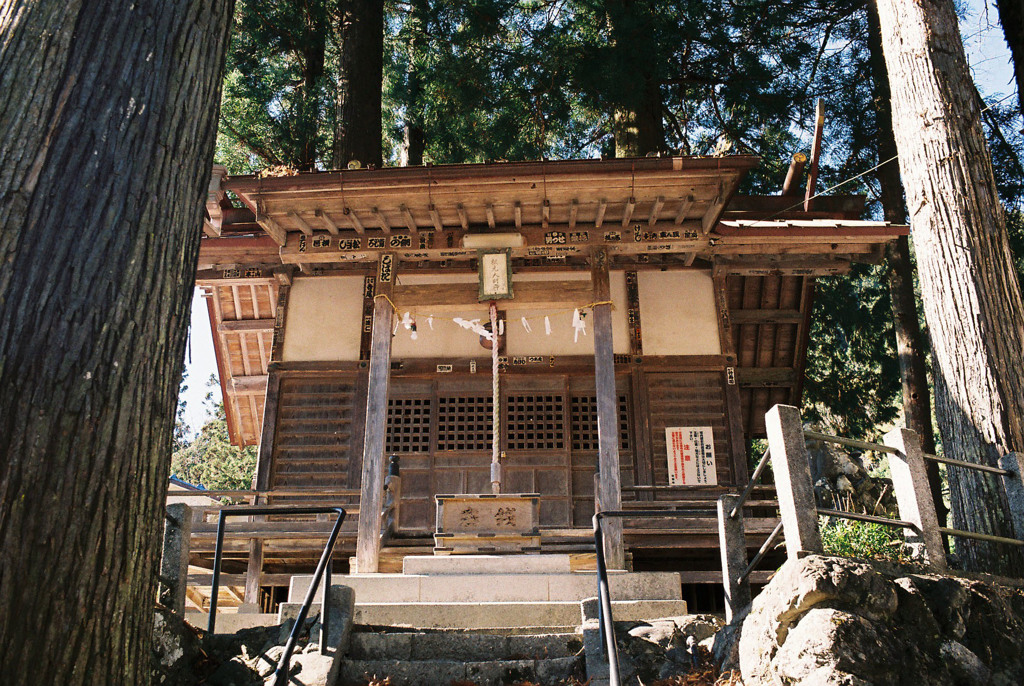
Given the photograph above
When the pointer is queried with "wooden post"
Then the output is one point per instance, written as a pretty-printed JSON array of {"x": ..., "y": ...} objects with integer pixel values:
[
  {"x": 609, "y": 495},
  {"x": 371, "y": 487},
  {"x": 1013, "y": 484},
  {"x": 732, "y": 541},
  {"x": 792, "y": 467},
  {"x": 913, "y": 494}
]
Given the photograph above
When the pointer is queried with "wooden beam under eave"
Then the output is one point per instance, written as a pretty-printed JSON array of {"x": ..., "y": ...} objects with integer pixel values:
[
  {"x": 517, "y": 211},
  {"x": 273, "y": 229},
  {"x": 245, "y": 325},
  {"x": 410, "y": 221},
  {"x": 713, "y": 214},
  {"x": 765, "y": 377},
  {"x": 574, "y": 210},
  {"x": 767, "y": 316},
  {"x": 209, "y": 229},
  {"x": 435, "y": 217},
  {"x": 357, "y": 223},
  {"x": 463, "y": 217},
  {"x": 458, "y": 297},
  {"x": 303, "y": 225},
  {"x": 385, "y": 226},
  {"x": 684, "y": 209},
  {"x": 491, "y": 222},
  {"x": 249, "y": 385},
  {"x": 655, "y": 211},
  {"x": 602, "y": 207},
  {"x": 627, "y": 213},
  {"x": 332, "y": 226}
]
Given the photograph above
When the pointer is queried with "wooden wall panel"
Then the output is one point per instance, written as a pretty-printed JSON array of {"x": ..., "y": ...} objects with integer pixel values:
[
  {"x": 689, "y": 398},
  {"x": 312, "y": 440}
]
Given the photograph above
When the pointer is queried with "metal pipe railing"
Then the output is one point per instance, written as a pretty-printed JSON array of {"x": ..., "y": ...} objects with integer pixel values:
[
  {"x": 850, "y": 442},
  {"x": 762, "y": 463},
  {"x": 323, "y": 571},
  {"x": 604, "y": 603},
  {"x": 843, "y": 514},
  {"x": 980, "y": 537},
  {"x": 762, "y": 551},
  {"x": 968, "y": 465}
]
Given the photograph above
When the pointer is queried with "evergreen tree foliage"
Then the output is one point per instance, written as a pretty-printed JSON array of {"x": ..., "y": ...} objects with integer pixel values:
[
  {"x": 209, "y": 459},
  {"x": 529, "y": 79}
]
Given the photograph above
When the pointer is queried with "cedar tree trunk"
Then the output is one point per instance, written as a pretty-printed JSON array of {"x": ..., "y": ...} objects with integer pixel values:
[
  {"x": 107, "y": 127},
  {"x": 357, "y": 126},
  {"x": 637, "y": 124},
  {"x": 1011, "y": 16},
  {"x": 414, "y": 138},
  {"x": 910, "y": 343},
  {"x": 971, "y": 297}
]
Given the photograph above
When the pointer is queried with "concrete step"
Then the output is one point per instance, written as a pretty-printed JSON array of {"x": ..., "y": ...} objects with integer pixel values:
[
  {"x": 475, "y": 615},
  {"x": 436, "y": 672},
  {"x": 486, "y": 564},
  {"x": 504, "y": 587},
  {"x": 468, "y": 647}
]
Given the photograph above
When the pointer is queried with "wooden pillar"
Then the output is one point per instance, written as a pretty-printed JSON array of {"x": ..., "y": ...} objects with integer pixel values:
[
  {"x": 609, "y": 495},
  {"x": 792, "y": 467},
  {"x": 371, "y": 487},
  {"x": 913, "y": 494},
  {"x": 261, "y": 482}
]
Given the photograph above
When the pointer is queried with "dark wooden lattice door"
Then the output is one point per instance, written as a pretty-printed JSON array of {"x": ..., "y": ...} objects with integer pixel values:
[{"x": 441, "y": 430}]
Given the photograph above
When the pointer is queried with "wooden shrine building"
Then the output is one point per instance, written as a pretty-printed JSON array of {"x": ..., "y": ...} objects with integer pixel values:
[{"x": 644, "y": 306}]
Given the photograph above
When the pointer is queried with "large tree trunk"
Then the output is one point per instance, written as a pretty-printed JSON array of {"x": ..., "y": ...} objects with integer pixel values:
[
  {"x": 357, "y": 127},
  {"x": 1011, "y": 16},
  {"x": 971, "y": 298},
  {"x": 910, "y": 344},
  {"x": 637, "y": 124},
  {"x": 107, "y": 127},
  {"x": 414, "y": 138},
  {"x": 313, "y": 51}
]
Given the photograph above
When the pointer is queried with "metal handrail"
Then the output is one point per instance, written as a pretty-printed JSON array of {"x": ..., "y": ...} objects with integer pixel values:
[
  {"x": 887, "y": 521},
  {"x": 323, "y": 570},
  {"x": 762, "y": 551},
  {"x": 980, "y": 537},
  {"x": 604, "y": 602},
  {"x": 851, "y": 442},
  {"x": 968, "y": 465},
  {"x": 762, "y": 463}
]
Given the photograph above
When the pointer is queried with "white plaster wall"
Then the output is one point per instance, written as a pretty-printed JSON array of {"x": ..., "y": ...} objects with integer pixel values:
[
  {"x": 324, "y": 319},
  {"x": 677, "y": 313}
]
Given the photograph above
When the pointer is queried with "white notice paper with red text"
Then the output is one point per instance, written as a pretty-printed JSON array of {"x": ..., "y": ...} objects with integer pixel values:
[{"x": 691, "y": 456}]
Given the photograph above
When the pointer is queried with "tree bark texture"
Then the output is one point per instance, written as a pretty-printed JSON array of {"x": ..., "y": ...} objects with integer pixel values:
[
  {"x": 413, "y": 135},
  {"x": 357, "y": 128},
  {"x": 107, "y": 128},
  {"x": 971, "y": 297},
  {"x": 637, "y": 124},
  {"x": 911, "y": 346},
  {"x": 1011, "y": 16}
]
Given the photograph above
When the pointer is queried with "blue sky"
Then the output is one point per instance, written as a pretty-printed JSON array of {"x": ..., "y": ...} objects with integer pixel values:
[{"x": 990, "y": 63}]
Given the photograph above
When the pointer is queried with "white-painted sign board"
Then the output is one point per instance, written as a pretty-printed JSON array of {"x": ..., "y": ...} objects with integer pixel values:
[{"x": 691, "y": 456}]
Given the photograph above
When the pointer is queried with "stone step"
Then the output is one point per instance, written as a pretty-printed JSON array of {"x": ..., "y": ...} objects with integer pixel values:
[
  {"x": 435, "y": 672},
  {"x": 432, "y": 588},
  {"x": 486, "y": 564},
  {"x": 467, "y": 647},
  {"x": 475, "y": 615}
]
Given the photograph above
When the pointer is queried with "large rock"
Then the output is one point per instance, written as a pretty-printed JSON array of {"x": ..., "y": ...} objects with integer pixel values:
[{"x": 825, "y": 620}]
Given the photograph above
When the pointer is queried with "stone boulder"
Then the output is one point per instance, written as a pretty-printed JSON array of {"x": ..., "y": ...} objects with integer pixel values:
[
  {"x": 841, "y": 481},
  {"x": 824, "y": 620}
]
